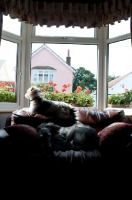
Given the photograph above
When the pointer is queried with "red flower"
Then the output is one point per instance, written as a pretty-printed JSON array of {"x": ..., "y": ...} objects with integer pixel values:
[
  {"x": 68, "y": 85},
  {"x": 54, "y": 84},
  {"x": 44, "y": 88},
  {"x": 63, "y": 89},
  {"x": 50, "y": 83},
  {"x": 126, "y": 90},
  {"x": 2, "y": 84},
  {"x": 10, "y": 82},
  {"x": 79, "y": 89},
  {"x": 88, "y": 91},
  {"x": 11, "y": 89},
  {"x": 56, "y": 91},
  {"x": 65, "y": 86}
]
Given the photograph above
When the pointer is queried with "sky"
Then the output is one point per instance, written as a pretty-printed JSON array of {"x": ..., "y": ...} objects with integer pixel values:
[{"x": 81, "y": 55}]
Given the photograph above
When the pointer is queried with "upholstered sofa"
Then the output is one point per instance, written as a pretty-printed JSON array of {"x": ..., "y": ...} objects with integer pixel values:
[{"x": 104, "y": 173}]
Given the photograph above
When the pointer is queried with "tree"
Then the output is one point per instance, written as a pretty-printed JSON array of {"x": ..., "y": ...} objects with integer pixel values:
[
  {"x": 85, "y": 79},
  {"x": 110, "y": 78}
]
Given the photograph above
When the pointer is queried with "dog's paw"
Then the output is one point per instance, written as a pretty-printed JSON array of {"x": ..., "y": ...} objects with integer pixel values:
[{"x": 25, "y": 109}]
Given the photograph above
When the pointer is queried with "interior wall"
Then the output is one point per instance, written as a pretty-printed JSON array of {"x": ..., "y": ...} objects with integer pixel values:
[{"x": 3, "y": 117}]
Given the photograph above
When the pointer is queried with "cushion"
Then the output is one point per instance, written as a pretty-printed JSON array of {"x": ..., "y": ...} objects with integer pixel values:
[
  {"x": 115, "y": 137},
  {"x": 23, "y": 138},
  {"x": 24, "y": 117},
  {"x": 99, "y": 119}
]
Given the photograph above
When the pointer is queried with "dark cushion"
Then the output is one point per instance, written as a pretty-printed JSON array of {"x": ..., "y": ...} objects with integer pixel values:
[
  {"x": 23, "y": 138},
  {"x": 24, "y": 117},
  {"x": 99, "y": 119},
  {"x": 115, "y": 138}
]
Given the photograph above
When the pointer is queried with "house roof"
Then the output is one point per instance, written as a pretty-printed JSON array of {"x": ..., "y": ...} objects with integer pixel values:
[
  {"x": 43, "y": 67},
  {"x": 53, "y": 53},
  {"x": 116, "y": 80}
]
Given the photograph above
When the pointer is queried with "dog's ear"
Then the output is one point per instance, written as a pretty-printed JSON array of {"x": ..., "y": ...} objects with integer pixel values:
[{"x": 32, "y": 88}]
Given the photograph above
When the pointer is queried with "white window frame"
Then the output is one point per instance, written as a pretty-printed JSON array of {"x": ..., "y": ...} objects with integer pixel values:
[
  {"x": 107, "y": 42},
  {"x": 24, "y": 58},
  {"x": 7, "y": 106},
  {"x": 21, "y": 80},
  {"x": 97, "y": 40}
]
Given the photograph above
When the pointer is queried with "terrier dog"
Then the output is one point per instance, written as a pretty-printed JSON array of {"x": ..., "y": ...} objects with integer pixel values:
[
  {"x": 76, "y": 137},
  {"x": 55, "y": 109}
]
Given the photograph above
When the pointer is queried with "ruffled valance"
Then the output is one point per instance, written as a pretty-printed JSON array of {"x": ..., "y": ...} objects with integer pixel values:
[{"x": 69, "y": 14}]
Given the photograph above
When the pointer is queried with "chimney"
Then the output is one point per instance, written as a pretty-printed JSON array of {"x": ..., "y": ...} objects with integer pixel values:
[{"x": 68, "y": 58}]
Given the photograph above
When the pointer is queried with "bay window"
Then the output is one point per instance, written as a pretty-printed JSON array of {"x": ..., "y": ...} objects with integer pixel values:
[{"x": 104, "y": 52}]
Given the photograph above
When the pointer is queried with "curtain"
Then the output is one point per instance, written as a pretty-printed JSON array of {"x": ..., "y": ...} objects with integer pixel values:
[{"x": 94, "y": 13}]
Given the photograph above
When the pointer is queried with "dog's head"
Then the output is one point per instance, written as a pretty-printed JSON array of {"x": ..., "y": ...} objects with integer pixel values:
[{"x": 32, "y": 92}]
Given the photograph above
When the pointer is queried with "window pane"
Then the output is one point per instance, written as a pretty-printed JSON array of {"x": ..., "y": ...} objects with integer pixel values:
[
  {"x": 62, "y": 31},
  {"x": 8, "y": 63},
  {"x": 11, "y": 25},
  {"x": 35, "y": 78},
  {"x": 40, "y": 77},
  {"x": 67, "y": 61},
  {"x": 119, "y": 28},
  {"x": 45, "y": 78},
  {"x": 120, "y": 69},
  {"x": 51, "y": 77}
]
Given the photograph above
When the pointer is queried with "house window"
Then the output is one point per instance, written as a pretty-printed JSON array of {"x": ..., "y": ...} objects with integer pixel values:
[
  {"x": 43, "y": 76},
  {"x": 120, "y": 63},
  {"x": 51, "y": 77},
  {"x": 35, "y": 77},
  {"x": 40, "y": 75}
]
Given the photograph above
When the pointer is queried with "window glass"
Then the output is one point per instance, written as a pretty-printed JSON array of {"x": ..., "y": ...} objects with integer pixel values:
[
  {"x": 71, "y": 68},
  {"x": 119, "y": 28},
  {"x": 8, "y": 63},
  {"x": 45, "y": 78},
  {"x": 51, "y": 77},
  {"x": 34, "y": 77},
  {"x": 62, "y": 31},
  {"x": 120, "y": 72},
  {"x": 41, "y": 76},
  {"x": 9, "y": 23}
]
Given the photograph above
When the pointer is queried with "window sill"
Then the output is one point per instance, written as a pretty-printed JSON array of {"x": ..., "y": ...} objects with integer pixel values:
[{"x": 128, "y": 111}]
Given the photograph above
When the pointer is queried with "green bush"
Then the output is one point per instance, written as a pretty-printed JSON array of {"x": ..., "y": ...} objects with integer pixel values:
[
  {"x": 79, "y": 97},
  {"x": 73, "y": 98},
  {"x": 121, "y": 98},
  {"x": 7, "y": 96}
]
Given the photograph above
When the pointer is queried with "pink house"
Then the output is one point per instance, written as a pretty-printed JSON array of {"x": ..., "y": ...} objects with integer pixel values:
[{"x": 47, "y": 66}]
